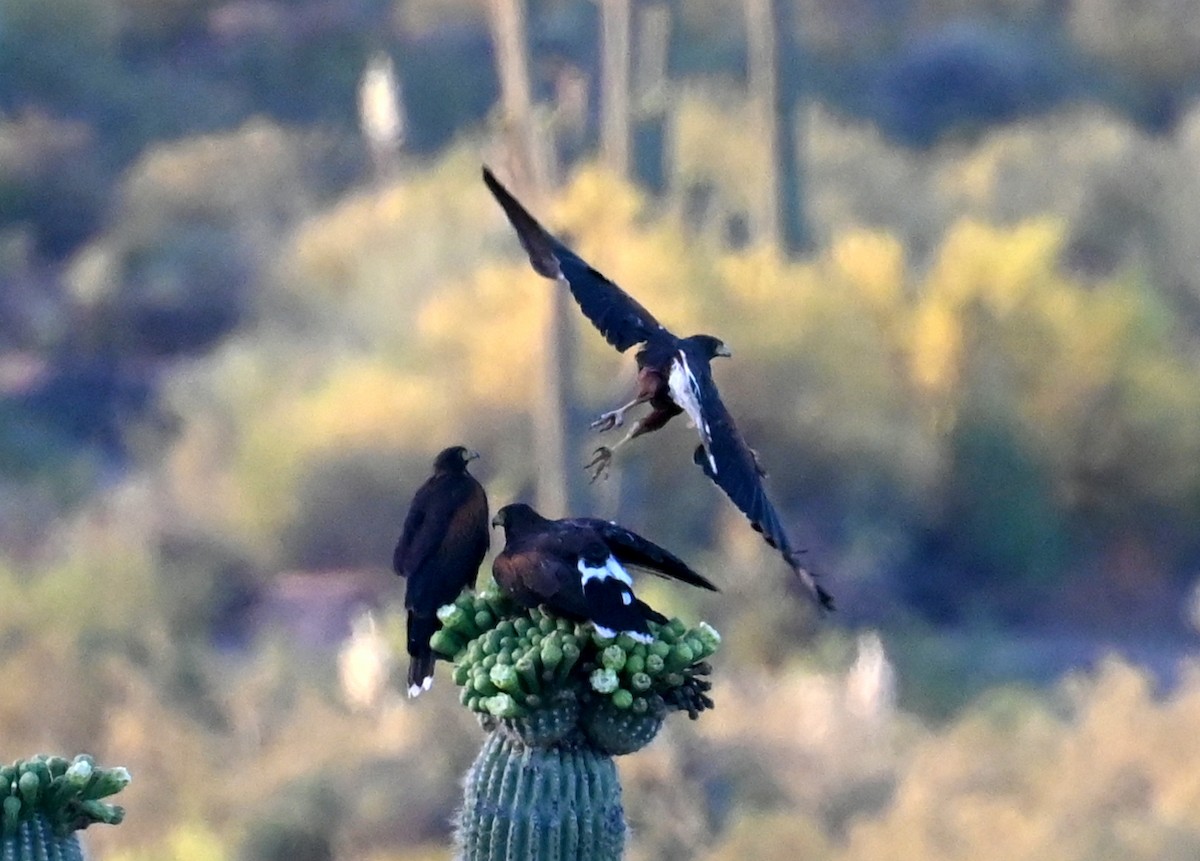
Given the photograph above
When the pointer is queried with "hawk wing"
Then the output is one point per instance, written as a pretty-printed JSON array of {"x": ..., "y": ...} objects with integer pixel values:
[
  {"x": 621, "y": 319},
  {"x": 734, "y": 468},
  {"x": 531, "y": 571},
  {"x": 634, "y": 550}
]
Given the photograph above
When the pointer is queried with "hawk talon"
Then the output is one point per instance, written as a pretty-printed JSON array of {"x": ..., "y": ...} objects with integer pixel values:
[
  {"x": 598, "y": 465},
  {"x": 608, "y": 421}
]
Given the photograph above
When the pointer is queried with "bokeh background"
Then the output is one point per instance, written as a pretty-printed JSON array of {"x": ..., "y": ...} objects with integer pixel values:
[{"x": 250, "y": 284}]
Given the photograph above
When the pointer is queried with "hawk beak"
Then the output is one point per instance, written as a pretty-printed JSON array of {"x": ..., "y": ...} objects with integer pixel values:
[
  {"x": 497, "y": 521},
  {"x": 472, "y": 455},
  {"x": 724, "y": 351}
]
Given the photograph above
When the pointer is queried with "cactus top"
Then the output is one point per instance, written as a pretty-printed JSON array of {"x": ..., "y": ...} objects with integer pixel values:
[
  {"x": 66, "y": 793},
  {"x": 548, "y": 681}
]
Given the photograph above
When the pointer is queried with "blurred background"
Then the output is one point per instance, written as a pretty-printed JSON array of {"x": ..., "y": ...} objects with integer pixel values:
[{"x": 251, "y": 283}]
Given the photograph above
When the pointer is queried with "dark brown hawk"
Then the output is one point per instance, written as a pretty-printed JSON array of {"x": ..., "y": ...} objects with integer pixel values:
[
  {"x": 578, "y": 568},
  {"x": 444, "y": 540},
  {"x": 673, "y": 377}
]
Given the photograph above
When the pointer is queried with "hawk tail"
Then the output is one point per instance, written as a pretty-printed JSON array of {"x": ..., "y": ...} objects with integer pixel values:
[
  {"x": 824, "y": 599},
  {"x": 420, "y": 655}
]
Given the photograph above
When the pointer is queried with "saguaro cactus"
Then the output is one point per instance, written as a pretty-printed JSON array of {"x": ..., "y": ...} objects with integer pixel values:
[
  {"x": 559, "y": 702},
  {"x": 47, "y": 800}
]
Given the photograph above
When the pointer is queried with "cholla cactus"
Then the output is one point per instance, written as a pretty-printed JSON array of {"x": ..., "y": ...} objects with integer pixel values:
[
  {"x": 47, "y": 800},
  {"x": 560, "y": 701}
]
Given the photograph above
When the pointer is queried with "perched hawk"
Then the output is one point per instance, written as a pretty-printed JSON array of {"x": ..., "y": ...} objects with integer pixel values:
[
  {"x": 444, "y": 540},
  {"x": 578, "y": 568}
]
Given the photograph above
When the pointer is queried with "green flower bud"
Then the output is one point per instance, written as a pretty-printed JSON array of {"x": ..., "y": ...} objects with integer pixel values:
[
  {"x": 502, "y": 706},
  {"x": 504, "y": 676},
  {"x": 446, "y": 643},
  {"x": 29, "y": 785},
  {"x": 708, "y": 637},
  {"x": 680, "y": 657},
  {"x": 12, "y": 813},
  {"x": 655, "y": 664},
  {"x": 571, "y": 653},
  {"x": 79, "y": 773},
  {"x": 626, "y": 642},
  {"x": 603, "y": 681},
  {"x": 552, "y": 654},
  {"x": 640, "y": 682},
  {"x": 634, "y": 664},
  {"x": 484, "y": 620},
  {"x": 660, "y": 648},
  {"x": 527, "y": 669},
  {"x": 452, "y": 616},
  {"x": 622, "y": 698},
  {"x": 110, "y": 814},
  {"x": 613, "y": 657}
]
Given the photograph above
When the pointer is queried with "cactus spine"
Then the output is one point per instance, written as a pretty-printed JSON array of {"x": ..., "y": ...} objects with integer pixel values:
[
  {"x": 560, "y": 701},
  {"x": 47, "y": 800}
]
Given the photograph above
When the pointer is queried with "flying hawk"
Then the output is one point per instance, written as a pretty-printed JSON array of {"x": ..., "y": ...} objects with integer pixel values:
[
  {"x": 578, "y": 568},
  {"x": 674, "y": 377},
  {"x": 444, "y": 540}
]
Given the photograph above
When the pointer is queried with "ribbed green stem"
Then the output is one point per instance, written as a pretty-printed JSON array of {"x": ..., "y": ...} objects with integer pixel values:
[
  {"x": 541, "y": 803},
  {"x": 35, "y": 840}
]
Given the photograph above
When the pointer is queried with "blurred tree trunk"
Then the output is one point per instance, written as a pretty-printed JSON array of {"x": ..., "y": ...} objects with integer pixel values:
[
  {"x": 614, "y": 85},
  {"x": 651, "y": 97},
  {"x": 532, "y": 171},
  {"x": 775, "y": 88}
]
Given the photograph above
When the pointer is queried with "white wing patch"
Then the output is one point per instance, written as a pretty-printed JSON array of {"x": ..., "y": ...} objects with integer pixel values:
[
  {"x": 611, "y": 568},
  {"x": 611, "y": 634},
  {"x": 685, "y": 391}
]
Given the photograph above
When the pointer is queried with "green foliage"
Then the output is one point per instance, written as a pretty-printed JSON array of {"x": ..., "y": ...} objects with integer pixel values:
[
  {"x": 1001, "y": 782},
  {"x": 197, "y": 227}
]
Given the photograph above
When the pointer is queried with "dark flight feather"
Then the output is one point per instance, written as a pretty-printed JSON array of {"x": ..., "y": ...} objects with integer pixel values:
[
  {"x": 740, "y": 476},
  {"x": 634, "y": 550},
  {"x": 620, "y": 318}
]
